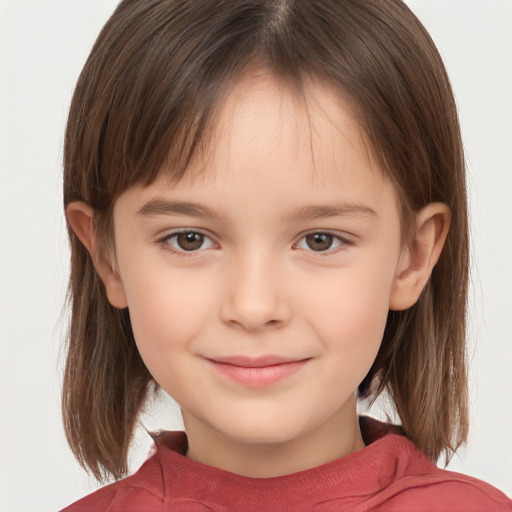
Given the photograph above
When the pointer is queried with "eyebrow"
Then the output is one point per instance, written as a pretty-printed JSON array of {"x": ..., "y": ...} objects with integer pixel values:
[
  {"x": 165, "y": 207},
  {"x": 310, "y": 212},
  {"x": 323, "y": 211}
]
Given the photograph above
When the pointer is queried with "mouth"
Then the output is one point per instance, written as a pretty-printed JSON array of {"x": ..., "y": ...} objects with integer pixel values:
[{"x": 257, "y": 372}]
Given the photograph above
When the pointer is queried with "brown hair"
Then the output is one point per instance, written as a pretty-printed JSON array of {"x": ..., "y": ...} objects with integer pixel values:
[{"x": 146, "y": 98}]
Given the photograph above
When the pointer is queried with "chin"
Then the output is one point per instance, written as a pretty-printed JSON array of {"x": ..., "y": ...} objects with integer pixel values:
[{"x": 261, "y": 431}]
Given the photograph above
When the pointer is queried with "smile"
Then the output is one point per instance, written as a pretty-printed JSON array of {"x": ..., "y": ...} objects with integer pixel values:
[{"x": 257, "y": 372}]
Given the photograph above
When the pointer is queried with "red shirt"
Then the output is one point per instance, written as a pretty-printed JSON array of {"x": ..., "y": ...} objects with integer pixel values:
[{"x": 390, "y": 474}]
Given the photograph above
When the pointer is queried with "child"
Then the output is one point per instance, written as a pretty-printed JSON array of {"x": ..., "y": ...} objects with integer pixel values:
[{"x": 267, "y": 212}]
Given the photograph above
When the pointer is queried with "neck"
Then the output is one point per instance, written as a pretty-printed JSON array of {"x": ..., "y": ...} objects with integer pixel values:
[{"x": 337, "y": 437}]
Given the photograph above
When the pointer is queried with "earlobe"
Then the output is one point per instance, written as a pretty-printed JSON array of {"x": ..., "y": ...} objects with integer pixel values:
[
  {"x": 80, "y": 217},
  {"x": 420, "y": 256}
]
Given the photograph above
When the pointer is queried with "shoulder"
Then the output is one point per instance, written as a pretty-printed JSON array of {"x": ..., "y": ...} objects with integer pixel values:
[
  {"x": 419, "y": 485},
  {"x": 411, "y": 481},
  {"x": 443, "y": 490},
  {"x": 140, "y": 491}
]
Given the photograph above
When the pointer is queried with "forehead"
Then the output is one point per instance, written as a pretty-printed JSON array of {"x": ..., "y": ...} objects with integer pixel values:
[
  {"x": 263, "y": 121},
  {"x": 273, "y": 143}
]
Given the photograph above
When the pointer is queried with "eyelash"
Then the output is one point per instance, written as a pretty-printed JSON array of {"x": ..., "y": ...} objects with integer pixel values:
[{"x": 343, "y": 243}]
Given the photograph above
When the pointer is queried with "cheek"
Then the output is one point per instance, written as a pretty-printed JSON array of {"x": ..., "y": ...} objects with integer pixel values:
[
  {"x": 349, "y": 311},
  {"x": 166, "y": 311},
  {"x": 165, "y": 321},
  {"x": 350, "y": 327}
]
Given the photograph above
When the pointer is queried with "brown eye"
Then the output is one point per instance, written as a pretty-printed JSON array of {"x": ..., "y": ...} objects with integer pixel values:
[
  {"x": 319, "y": 241},
  {"x": 322, "y": 242},
  {"x": 190, "y": 241},
  {"x": 187, "y": 242}
]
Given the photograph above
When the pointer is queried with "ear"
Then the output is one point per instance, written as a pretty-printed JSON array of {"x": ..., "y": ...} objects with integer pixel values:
[
  {"x": 420, "y": 256},
  {"x": 80, "y": 217}
]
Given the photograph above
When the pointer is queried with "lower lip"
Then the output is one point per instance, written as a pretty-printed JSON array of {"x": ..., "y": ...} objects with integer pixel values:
[{"x": 258, "y": 377}]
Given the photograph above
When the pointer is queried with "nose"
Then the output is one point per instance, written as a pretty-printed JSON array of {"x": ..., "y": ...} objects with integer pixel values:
[{"x": 255, "y": 296}]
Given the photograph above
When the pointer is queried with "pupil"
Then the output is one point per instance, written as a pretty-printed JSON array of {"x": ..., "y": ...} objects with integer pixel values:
[{"x": 319, "y": 241}]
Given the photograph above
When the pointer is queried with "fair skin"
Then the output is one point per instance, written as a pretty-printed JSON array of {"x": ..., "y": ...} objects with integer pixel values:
[{"x": 267, "y": 276}]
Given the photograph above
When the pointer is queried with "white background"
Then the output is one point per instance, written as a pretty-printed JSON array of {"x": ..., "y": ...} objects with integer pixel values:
[{"x": 43, "y": 45}]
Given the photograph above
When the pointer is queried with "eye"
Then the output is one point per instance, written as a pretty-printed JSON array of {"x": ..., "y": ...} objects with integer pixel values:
[
  {"x": 183, "y": 242},
  {"x": 321, "y": 242}
]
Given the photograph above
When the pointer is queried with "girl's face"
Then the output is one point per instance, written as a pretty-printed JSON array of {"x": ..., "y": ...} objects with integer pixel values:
[{"x": 259, "y": 285}]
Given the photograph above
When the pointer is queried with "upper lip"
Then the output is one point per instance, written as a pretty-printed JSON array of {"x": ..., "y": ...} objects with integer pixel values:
[{"x": 256, "y": 362}]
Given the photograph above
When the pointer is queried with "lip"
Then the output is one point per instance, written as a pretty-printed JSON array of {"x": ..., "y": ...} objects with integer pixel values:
[{"x": 257, "y": 372}]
